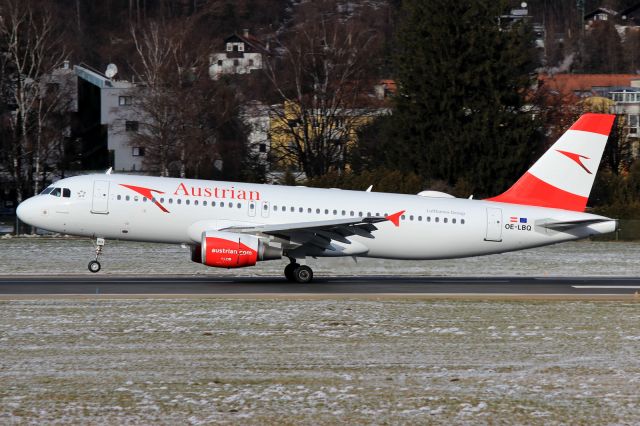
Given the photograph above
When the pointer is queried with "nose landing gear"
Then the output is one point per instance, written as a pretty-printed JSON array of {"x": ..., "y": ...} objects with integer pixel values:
[
  {"x": 94, "y": 265},
  {"x": 295, "y": 272}
]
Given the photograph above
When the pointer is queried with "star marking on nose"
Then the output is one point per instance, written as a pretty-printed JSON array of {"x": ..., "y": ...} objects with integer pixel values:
[{"x": 81, "y": 194}]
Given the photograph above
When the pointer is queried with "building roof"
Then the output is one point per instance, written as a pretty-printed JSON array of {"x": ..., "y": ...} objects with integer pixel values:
[
  {"x": 569, "y": 84},
  {"x": 599, "y": 10},
  {"x": 251, "y": 40}
]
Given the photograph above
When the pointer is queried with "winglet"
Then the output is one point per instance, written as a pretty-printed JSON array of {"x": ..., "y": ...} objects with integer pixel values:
[{"x": 395, "y": 218}]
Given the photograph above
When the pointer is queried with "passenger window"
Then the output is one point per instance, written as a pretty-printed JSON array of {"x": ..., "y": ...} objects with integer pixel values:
[
  {"x": 437, "y": 219},
  {"x": 419, "y": 218},
  {"x": 213, "y": 204},
  {"x": 179, "y": 201},
  {"x": 293, "y": 209},
  {"x": 275, "y": 208},
  {"x": 453, "y": 220},
  {"x": 187, "y": 202},
  {"x": 170, "y": 200},
  {"x": 335, "y": 212},
  {"x": 309, "y": 210},
  {"x": 284, "y": 209},
  {"x": 411, "y": 217},
  {"x": 127, "y": 198},
  {"x": 119, "y": 197},
  {"x": 445, "y": 220},
  {"x": 56, "y": 192},
  {"x": 428, "y": 218},
  {"x": 300, "y": 210},
  {"x": 360, "y": 214},
  {"x": 239, "y": 205},
  {"x": 351, "y": 213},
  {"x": 230, "y": 205},
  {"x": 344, "y": 213},
  {"x": 195, "y": 203},
  {"x": 462, "y": 221},
  {"x": 403, "y": 217},
  {"x": 135, "y": 198},
  {"x": 318, "y": 211},
  {"x": 221, "y": 203},
  {"x": 161, "y": 199},
  {"x": 204, "y": 203},
  {"x": 326, "y": 211},
  {"x": 266, "y": 207},
  {"x": 144, "y": 199}
]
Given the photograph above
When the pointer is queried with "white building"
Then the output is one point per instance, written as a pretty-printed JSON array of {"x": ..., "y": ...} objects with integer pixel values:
[
  {"x": 114, "y": 115},
  {"x": 242, "y": 54}
]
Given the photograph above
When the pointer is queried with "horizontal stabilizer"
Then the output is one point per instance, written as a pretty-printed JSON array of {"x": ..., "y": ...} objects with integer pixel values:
[{"x": 571, "y": 224}]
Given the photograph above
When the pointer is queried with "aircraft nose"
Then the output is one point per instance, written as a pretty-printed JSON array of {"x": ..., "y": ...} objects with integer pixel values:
[{"x": 27, "y": 211}]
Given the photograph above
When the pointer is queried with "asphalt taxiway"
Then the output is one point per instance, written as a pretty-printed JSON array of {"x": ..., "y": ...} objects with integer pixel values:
[{"x": 368, "y": 285}]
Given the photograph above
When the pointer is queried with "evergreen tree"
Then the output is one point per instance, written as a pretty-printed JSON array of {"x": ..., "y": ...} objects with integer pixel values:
[{"x": 461, "y": 113}]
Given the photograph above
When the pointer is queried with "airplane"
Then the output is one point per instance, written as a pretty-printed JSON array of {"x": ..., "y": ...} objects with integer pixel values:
[{"x": 235, "y": 225}]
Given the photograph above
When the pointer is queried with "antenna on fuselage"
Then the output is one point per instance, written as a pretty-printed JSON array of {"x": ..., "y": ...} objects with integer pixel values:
[{"x": 109, "y": 170}]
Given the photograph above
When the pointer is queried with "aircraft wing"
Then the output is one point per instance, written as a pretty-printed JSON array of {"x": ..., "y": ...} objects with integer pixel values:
[{"x": 318, "y": 234}]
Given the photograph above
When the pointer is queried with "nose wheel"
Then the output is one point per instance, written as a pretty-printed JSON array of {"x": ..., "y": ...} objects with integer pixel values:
[
  {"x": 94, "y": 265},
  {"x": 295, "y": 272}
]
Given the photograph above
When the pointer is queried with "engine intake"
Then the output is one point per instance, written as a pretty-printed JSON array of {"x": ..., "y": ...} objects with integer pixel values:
[{"x": 222, "y": 249}]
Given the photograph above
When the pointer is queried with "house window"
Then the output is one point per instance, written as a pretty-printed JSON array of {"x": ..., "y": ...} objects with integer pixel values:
[
  {"x": 137, "y": 151},
  {"x": 236, "y": 62},
  {"x": 241, "y": 47},
  {"x": 229, "y": 47},
  {"x": 131, "y": 126},
  {"x": 263, "y": 147},
  {"x": 251, "y": 62},
  {"x": 219, "y": 62},
  {"x": 125, "y": 100}
]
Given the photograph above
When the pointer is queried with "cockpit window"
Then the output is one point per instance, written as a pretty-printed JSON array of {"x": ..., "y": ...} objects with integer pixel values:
[
  {"x": 56, "y": 192},
  {"x": 66, "y": 192},
  {"x": 46, "y": 191}
]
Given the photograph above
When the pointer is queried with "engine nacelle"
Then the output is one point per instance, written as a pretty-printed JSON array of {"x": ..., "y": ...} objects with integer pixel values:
[{"x": 230, "y": 250}]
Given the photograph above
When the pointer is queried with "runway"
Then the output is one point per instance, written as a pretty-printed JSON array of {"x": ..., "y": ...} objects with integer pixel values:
[{"x": 365, "y": 285}]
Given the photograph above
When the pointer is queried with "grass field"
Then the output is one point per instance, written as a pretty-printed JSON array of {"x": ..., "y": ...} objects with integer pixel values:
[{"x": 319, "y": 362}]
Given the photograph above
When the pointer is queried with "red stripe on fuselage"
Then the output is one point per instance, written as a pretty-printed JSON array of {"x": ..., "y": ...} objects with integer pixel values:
[
  {"x": 531, "y": 191},
  {"x": 146, "y": 192},
  {"x": 594, "y": 123}
]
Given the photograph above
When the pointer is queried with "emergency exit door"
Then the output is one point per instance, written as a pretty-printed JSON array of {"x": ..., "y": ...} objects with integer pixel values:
[{"x": 494, "y": 224}]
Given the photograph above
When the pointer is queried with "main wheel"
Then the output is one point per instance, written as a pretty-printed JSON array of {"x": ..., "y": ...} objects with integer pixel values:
[
  {"x": 288, "y": 271},
  {"x": 303, "y": 274},
  {"x": 94, "y": 266}
]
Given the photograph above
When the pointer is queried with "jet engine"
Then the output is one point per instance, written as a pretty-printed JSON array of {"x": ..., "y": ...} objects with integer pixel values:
[{"x": 230, "y": 250}]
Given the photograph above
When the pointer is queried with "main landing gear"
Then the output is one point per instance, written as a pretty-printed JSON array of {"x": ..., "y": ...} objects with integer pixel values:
[
  {"x": 94, "y": 265},
  {"x": 298, "y": 273}
]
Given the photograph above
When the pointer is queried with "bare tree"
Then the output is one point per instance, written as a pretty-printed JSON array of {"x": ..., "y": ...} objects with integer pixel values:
[
  {"x": 33, "y": 50},
  {"x": 185, "y": 119},
  {"x": 320, "y": 74}
]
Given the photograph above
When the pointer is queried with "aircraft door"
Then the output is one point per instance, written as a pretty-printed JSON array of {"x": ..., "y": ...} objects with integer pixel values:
[
  {"x": 252, "y": 208},
  {"x": 265, "y": 209},
  {"x": 494, "y": 224},
  {"x": 100, "y": 202}
]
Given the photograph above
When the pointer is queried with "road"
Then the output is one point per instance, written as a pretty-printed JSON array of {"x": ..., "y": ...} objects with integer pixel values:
[{"x": 202, "y": 285}]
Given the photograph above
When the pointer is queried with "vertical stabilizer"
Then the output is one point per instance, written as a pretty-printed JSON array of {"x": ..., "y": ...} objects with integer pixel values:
[{"x": 562, "y": 178}]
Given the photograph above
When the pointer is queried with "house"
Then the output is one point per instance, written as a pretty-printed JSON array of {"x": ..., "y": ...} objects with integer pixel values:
[
  {"x": 108, "y": 119},
  {"x": 622, "y": 91},
  {"x": 242, "y": 54}
]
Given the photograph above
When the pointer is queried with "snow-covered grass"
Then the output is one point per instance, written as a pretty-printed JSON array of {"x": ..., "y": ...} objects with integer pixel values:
[
  {"x": 71, "y": 256},
  {"x": 318, "y": 362}
]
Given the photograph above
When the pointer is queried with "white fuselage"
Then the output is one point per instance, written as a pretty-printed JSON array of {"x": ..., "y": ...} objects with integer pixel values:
[{"x": 430, "y": 228}]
